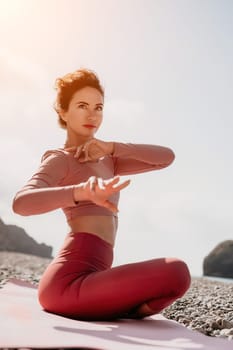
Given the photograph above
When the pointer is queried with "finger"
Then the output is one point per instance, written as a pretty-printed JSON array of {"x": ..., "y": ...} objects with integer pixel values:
[
  {"x": 100, "y": 183},
  {"x": 78, "y": 152},
  {"x": 84, "y": 153},
  {"x": 92, "y": 183},
  {"x": 70, "y": 149},
  {"x": 110, "y": 206},
  {"x": 120, "y": 186},
  {"x": 85, "y": 150},
  {"x": 112, "y": 181}
]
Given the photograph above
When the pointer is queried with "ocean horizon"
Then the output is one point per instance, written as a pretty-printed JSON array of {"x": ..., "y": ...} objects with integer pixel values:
[{"x": 214, "y": 278}]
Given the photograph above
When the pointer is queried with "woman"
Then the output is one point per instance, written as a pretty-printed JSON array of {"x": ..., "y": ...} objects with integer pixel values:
[{"x": 82, "y": 178}]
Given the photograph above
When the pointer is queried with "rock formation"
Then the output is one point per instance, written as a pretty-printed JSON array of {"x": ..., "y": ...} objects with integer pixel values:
[
  {"x": 15, "y": 239},
  {"x": 219, "y": 262}
]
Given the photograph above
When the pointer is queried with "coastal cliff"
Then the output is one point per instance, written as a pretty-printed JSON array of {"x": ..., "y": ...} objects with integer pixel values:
[{"x": 14, "y": 239}]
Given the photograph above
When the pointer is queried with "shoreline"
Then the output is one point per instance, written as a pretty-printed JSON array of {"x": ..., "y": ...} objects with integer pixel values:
[
  {"x": 214, "y": 278},
  {"x": 207, "y": 307}
]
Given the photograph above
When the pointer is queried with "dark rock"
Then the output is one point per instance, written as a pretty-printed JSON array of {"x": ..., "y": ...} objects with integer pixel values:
[
  {"x": 15, "y": 239},
  {"x": 219, "y": 262}
]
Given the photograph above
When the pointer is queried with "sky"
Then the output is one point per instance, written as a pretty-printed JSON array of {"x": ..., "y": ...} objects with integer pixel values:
[{"x": 166, "y": 66}]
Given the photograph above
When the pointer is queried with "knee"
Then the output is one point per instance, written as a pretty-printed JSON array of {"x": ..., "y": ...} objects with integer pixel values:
[
  {"x": 180, "y": 275},
  {"x": 49, "y": 302},
  {"x": 46, "y": 297},
  {"x": 43, "y": 299}
]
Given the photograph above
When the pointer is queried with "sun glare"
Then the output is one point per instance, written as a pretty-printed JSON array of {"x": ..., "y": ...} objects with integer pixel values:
[{"x": 10, "y": 9}]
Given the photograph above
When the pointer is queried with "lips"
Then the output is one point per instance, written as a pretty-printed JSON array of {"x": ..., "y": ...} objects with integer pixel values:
[{"x": 90, "y": 126}]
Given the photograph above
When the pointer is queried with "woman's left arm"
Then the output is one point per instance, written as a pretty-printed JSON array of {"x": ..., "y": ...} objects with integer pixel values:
[
  {"x": 138, "y": 158},
  {"x": 128, "y": 158}
]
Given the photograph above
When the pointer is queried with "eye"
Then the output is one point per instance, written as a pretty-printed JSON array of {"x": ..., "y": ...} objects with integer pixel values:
[
  {"x": 82, "y": 106},
  {"x": 99, "y": 108}
]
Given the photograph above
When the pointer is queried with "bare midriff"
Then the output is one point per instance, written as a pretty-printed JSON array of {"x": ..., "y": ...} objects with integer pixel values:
[{"x": 104, "y": 227}]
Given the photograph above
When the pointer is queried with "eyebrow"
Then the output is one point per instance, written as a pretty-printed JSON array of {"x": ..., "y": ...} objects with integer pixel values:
[{"x": 85, "y": 103}]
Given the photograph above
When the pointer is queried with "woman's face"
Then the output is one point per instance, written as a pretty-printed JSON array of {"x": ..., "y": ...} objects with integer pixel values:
[{"x": 85, "y": 113}]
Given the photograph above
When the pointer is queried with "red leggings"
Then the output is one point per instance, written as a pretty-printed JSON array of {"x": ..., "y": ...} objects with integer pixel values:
[{"x": 80, "y": 283}]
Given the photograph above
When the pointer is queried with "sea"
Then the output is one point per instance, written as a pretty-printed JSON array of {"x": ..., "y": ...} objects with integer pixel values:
[{"x": 217, "y": 279}]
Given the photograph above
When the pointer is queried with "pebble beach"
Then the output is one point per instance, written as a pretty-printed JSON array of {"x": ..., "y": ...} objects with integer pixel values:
[{"x": 207, "y": 307}]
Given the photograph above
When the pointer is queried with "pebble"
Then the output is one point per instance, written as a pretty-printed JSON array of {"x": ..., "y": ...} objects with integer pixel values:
[{"x": 207, "y": 307}]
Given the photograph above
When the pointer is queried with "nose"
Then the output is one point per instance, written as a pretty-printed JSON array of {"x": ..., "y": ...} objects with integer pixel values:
[{"x": 91, "y": 115}]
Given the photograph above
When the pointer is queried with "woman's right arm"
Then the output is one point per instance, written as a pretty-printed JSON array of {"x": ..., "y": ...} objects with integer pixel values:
[{"x": 43, "y": 192}]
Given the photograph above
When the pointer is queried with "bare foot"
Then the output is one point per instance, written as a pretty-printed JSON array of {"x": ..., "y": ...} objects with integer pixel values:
[{"x": 141, "y": 311}]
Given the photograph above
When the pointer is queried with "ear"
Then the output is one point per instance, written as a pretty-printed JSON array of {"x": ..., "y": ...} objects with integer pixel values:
[{"x": 63, "y": 115}]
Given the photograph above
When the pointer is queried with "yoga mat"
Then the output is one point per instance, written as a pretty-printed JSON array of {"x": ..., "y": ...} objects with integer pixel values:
[{"x": 24, "y": 324}]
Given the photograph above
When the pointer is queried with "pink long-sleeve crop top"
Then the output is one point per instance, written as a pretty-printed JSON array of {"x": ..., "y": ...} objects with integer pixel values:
[{"x": 51, "y": 187}]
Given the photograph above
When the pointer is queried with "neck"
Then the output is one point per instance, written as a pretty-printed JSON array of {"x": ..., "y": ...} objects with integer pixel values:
[
  {"x": 76, "y": 143},
  {"x": 73, "y": 140}
]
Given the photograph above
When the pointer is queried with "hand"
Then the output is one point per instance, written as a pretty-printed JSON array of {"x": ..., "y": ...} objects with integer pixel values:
[
  {"x": 91, "y": 150},
  {"x": 98, "y": 190}
]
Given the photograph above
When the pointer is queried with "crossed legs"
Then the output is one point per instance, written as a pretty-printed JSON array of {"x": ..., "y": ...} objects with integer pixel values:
[
  {"x": 139, "y": 289},
  {"x": 81, "y": 283}
]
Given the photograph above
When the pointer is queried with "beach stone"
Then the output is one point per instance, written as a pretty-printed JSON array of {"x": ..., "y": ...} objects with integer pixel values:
[
  {"x": 191, "y": 310},
  {"x": 219, "y": 262},
  {"x": 226, "y": 332},
  {"x": 23, "y": 266},
  {"x": 223, "y": 323},
  {"x": 207, "y": 319}
]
